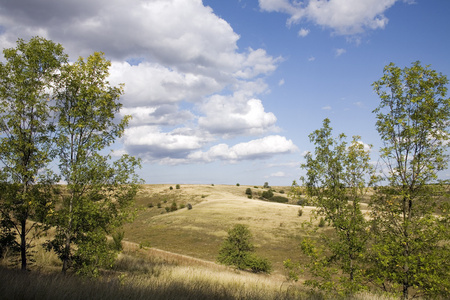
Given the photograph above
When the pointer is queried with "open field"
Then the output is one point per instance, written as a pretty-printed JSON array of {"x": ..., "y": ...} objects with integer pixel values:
[
  {"x": 172, "y": 255},
  {"x": 199, "y": 232}
]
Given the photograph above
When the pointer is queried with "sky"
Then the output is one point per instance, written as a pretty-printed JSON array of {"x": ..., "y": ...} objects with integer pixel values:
[{"x": 226, "y": 92}]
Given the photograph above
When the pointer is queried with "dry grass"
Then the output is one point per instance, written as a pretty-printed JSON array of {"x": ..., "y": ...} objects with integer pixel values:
[{"x": 199, "y": 232}]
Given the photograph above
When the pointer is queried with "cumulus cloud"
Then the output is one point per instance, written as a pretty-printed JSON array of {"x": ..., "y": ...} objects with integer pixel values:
[
  {"x": 303, "y": 32},
  {"x": 344, "y": 17},
  {"x": 235, "y": 115},
  {"x": 255, "y": 149},
  {"x": 187, "y": 84},
  {"x": 327, "y": 107}
]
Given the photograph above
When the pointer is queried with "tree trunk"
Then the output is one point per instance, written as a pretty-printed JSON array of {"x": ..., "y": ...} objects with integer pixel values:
[{"x": 23, "y": 244}]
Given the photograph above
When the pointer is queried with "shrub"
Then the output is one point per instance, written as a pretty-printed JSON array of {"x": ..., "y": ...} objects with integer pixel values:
[
  {"x": 150, "y": 205},
  {"x": 300, "y": 212},
  {"x": 182, "y": 206},
  {"x": 171, "y": 188},
  {"x": 189, "y": 206},
  {"x": 159, "y": 205},
  {"x": 266, "y": 185},
  {"x": 177, "y": 186},
  {"x": 248, "y": 191},
  {"x": 237, "y": 251},
  {"x": 173, "y": 207},
  {"x": 249, "y": 196},
  {"x": 117, "y": 240},
  {"x": 281, "y": 191},
  {"x": 167, "y": 208},
  {"x": 322, "y": 222},
  {"x": 258, "y": 264},
  {"x": 279, "y": 199},
  {"x": 267, "y": 194},
  {"x": 237, "y": 184}
]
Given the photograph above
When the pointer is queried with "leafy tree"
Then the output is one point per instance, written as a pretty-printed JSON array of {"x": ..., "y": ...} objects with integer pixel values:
[
  {"x": 237, "y": 250},
  {"x": 337, "y": 178},
  {"x": 99, "y": 192},
  {"x": 410, "y": 214},
  {"x": 26, "y": 81}
]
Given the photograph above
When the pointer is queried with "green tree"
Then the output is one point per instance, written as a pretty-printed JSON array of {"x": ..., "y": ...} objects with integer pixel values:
[
  {"x": 99, "y": 192},
  {"x": 410, "y": 213},
  {"x": 26, "y": 81},
  {"x": 237, "y": 250},
  {"x": 338, "y": 175}
]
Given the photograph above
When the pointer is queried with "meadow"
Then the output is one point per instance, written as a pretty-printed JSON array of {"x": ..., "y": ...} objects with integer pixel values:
[{"x": 171, "y": 254}]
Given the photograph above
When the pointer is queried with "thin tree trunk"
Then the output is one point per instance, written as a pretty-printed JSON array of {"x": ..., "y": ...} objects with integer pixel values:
[{"x": 23, "y": 244}]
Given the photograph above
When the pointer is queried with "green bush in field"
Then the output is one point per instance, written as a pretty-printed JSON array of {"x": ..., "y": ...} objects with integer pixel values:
[
  {"x": 248, "y": 191},
  {"x": 237, "y": 250},
  {"x": 267, "y": 194},
  {"x": 279, "y": 199},
  {"x": 237, "y": 184},
  {"x": 258, "y": 264},
  {"x": 177, "y": 186},
  {"x": 174, "y": 206}
]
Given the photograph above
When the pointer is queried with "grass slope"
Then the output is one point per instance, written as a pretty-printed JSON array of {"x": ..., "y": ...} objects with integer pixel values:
[{"x": 199, "y": 232}]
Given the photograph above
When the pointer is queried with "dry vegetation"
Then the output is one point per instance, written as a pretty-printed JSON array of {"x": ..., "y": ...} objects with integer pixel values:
[{"x": 171, "y": 255}]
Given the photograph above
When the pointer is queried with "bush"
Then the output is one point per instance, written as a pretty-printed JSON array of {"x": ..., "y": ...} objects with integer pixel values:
[
  {"x": 182, "y": 206},
  {"x": 266, "y": 185},
  {"x": 150, "y": 205},
  {"x": 267, "y": 194},
  {"x": 171, "y": 188},
  {"x": 281, "y": 191},
  {"x": 300, "y": 212},
  {"x": 248, "y": 191},
  {"x": 237, "y": 250},
  {"x": 189, "y": 206},
  {"x": 173, "y": 207},
  {"x": 177, "y": 186},
  {"x": 237, "y": 184},
  {"x": 322, "y": 222},
  {"x": 279, "y": 199},
  {"x": 258, "y": 264}
]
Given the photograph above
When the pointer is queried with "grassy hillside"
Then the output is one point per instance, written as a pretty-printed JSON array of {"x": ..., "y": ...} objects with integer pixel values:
[{"x": 200, "y": 231}]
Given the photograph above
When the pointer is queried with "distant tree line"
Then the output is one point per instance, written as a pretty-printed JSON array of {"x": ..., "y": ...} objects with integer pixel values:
[{"x": 56, "y": 121}]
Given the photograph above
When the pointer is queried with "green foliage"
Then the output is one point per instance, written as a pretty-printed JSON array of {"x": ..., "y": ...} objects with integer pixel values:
[
  {"x": 321, "y": 222},
  {"x": 300, "y": 212},
  {"x": 99, "y": 193},
  {"x": 189, "y": 206},
  {"x": 177, "y": 186},
  {"x": 410, "y": 224},
  {"x": 174, "y": 206},
  {"x": 267, "y": 194},
  {"x": 237, "y": 250},
  {"x": 26, "y": 80},
  {"x": 248, "y": 191},
  {"x": 337, "y": 177},
  {"x": 117, "y": 240},
  {"x": 237, "y": 184},
  {"x": 258, "y": 264},
  {"x": 266, "y": 185},
  {"x": 170, "y": 188},
  {"x": 279, "y": 199}
]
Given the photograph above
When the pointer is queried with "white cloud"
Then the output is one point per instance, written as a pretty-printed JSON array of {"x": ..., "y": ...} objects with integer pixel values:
[
  {"x": 255, "y": 149},
  {"x": 311, "y": 58},
  {"x": 281, "y": 82},
  {"x": 278, "y": 174},
  {"x": 236, "y": 115},
  {"x": 339, "y": 51},
  {"x": 345, "y": 17},
  {"x": 303, "y": 32},
  {"x": 326, "y": 107},
  {"x": 179, "y": 62}
]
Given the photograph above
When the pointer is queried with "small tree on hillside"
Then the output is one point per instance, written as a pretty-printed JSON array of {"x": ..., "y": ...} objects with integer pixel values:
[
  {"x": 99, "y": 193},
  {"x": 237, "y": 250},
  {"x": 411, "y": 214},
  {"x": 337, "y": 177}
]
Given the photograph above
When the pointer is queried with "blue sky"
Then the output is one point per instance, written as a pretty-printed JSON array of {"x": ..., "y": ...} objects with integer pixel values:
[{"x": 227, "y": 92}]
